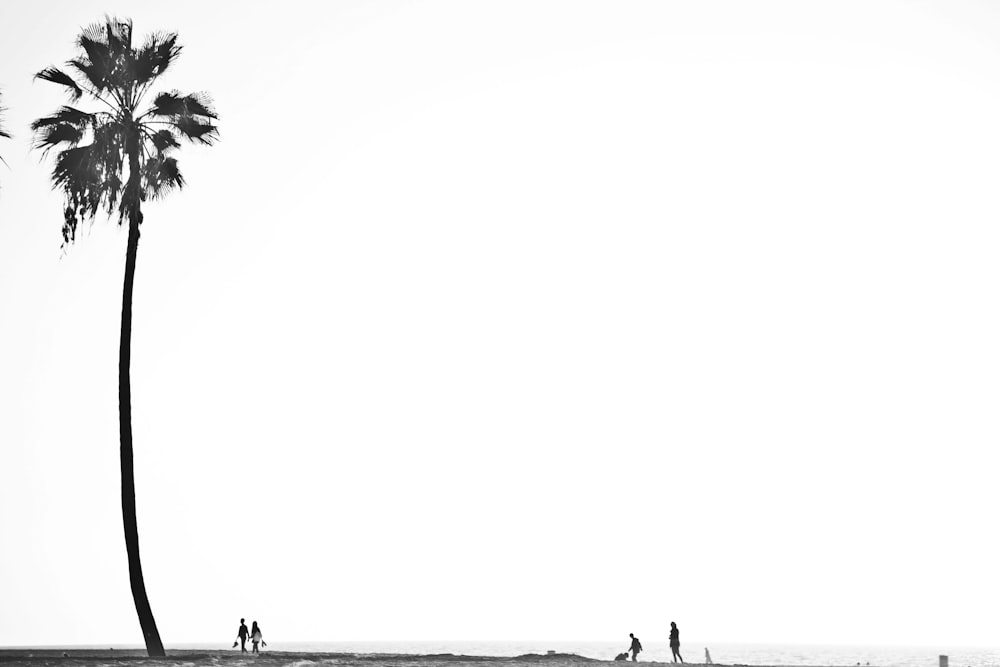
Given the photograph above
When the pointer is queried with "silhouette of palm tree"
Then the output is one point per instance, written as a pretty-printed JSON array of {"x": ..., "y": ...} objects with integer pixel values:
[
  {"x": 114, "y": 158},
  {"x": 2, "y": 132}
]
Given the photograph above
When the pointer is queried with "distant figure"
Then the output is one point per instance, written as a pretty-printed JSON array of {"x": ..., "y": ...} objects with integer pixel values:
[
  {"x": 621, "y": 656},
  {"x": 708, "y": 656},
  {"x": 257, "y": 637},
  {"x": 636, "y": 646},
  {"x": 242, "y": 634},
  {"x": 675, "y": 642}
]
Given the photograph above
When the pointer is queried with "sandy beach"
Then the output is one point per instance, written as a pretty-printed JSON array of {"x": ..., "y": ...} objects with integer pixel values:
[{"x": 184, "y": 658}]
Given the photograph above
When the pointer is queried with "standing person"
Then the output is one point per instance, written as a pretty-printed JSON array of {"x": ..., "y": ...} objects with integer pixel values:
[
  {"x": 675, "y": 642},
  {"x": 242, "y": 635},
  {"x": 636, "y": 646},
  {"x": 257, "y": 637}
]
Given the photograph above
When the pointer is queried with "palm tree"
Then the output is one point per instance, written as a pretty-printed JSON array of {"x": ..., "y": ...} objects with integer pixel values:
[
  {"x": 114, "y": 158},
  {"x": 2, "y": 133}
]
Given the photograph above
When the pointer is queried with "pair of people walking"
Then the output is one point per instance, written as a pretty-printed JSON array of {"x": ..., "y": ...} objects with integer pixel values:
[
  {"x": 636, "y": 647},
  {"x": 255, "y": 636}
]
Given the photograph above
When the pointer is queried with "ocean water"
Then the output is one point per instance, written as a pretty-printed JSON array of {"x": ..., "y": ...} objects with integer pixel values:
[{"x": 495, "y": 654}]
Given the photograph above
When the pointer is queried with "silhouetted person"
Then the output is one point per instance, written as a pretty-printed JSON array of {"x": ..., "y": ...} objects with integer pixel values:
[
  {"x": 242, "y": 635},
  {"x": 257, "y": 637},
  {"x": 621, "y": 656},
  {"x": 636, "y": 646},
  {"x": 675, "y": 642}
]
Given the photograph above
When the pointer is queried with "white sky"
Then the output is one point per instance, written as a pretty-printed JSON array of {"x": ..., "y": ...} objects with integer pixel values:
[{"x": 522, "y": 320}]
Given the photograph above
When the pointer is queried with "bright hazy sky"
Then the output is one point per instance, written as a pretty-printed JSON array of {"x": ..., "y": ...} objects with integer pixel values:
[{"x": 517, "y": 320}]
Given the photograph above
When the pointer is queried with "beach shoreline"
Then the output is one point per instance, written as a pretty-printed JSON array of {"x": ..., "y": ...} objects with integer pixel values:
[{"x": 297, "y": 658}]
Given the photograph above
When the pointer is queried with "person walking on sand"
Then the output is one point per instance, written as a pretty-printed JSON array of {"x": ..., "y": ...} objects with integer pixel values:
[
  {"x": 636, "y": 646},
  {"x": 675, "y": 642},
  {"x": 257, "y": 637},
  {"x": 242, "y": 635}
]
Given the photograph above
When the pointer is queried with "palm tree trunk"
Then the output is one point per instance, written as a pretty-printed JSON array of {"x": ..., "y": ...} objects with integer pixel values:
[{"x": 154, "y": 647}]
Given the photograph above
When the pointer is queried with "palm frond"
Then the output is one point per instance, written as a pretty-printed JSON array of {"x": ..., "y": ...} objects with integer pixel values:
[
  {"x": 75, "y": 166},
  {"x": 3, "y": 133},
  {"x": 111, "y": 39},
  {"x": 190, "y": 115},
  {"x": 155, "y": 57},
  {"x": 77, "y": 173},
  {"x": 75, "y": 117},
  {"x": 94, "y": 42},
  {"x": 167, "y": 104},
  {"x": 89, "y": 176},
  {"x": 50, "y": 136},
  {"x": 164, "y": 140},
  {"x": 108, "y": 49},
  {"x": 97, "y": 74},
  {"x": 175, "y": 104},
  {"x": 195, "y": 130},
  {"x": 56, "y": 75},
  {"x": 162, "y": 176}
]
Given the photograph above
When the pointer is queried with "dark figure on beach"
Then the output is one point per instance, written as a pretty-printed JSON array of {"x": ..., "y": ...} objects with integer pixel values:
[
  {"x": 242, "y": 635},
  {"x": 675, "y": 642},
  {"x": 621, "y": 656},
  {"x": 636, "y": 646},
  {"x": 257, "y": 637}
]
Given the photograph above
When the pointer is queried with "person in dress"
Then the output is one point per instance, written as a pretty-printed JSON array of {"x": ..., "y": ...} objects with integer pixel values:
[
  {"x": 675, "y": 642},
  {"x": 257, "y": 637}
]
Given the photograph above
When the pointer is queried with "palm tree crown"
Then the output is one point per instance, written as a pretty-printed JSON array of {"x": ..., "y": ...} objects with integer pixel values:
[{"x": 97, "y": 146}]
